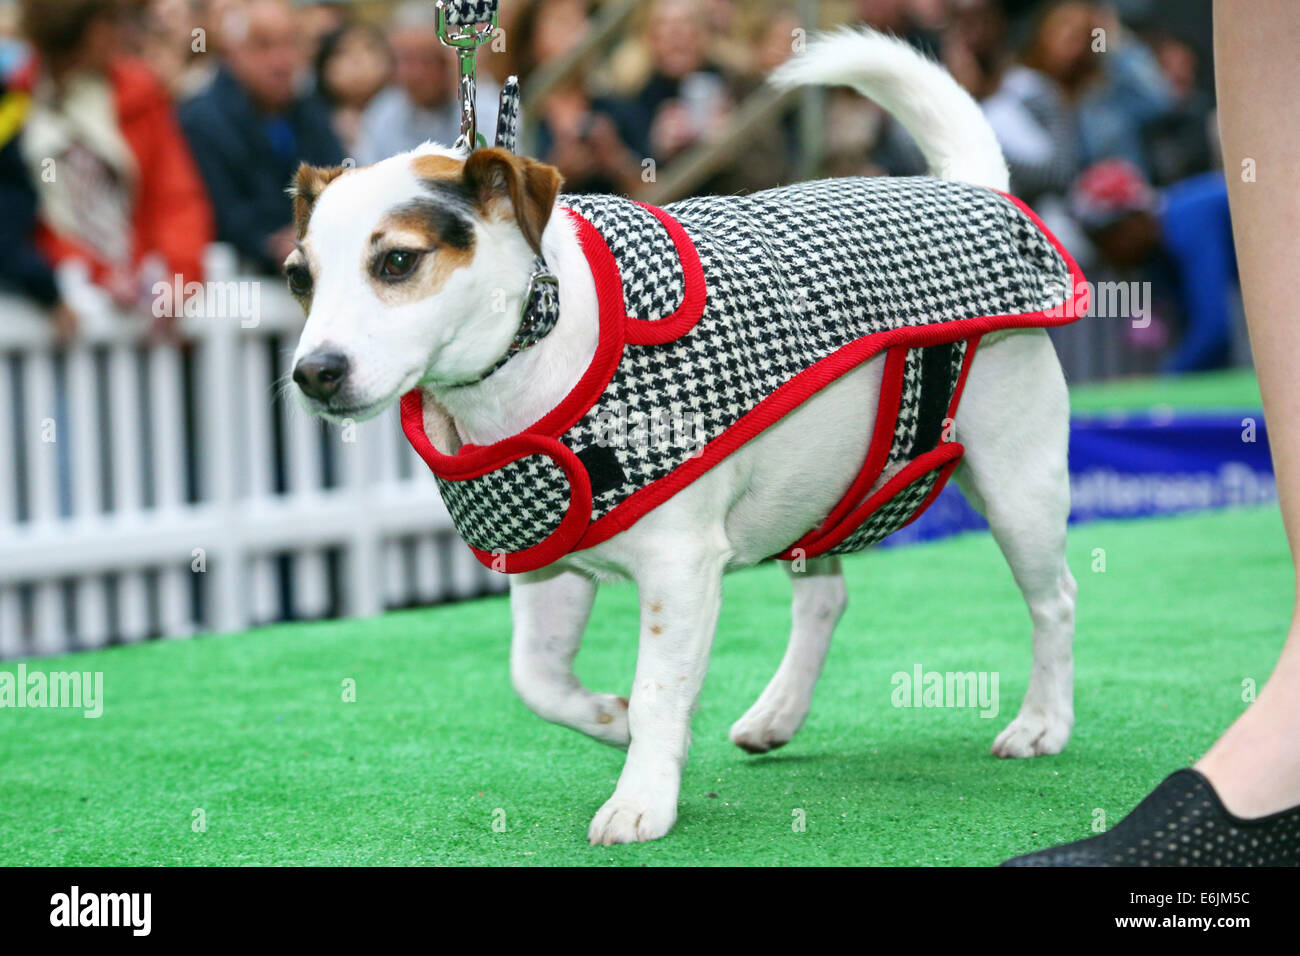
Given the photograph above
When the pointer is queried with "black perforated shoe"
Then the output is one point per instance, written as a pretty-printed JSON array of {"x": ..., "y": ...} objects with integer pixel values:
[{"x": 1182, "y": 823}]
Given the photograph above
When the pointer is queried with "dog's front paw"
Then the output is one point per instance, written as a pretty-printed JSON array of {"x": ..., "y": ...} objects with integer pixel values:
[
  {"x": 1033, "y": 734},
  {"x": 634, "y": 818}
]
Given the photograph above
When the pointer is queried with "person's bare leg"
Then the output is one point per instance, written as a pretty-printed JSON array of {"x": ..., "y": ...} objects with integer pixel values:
[
  {"x": 1253, "y": 770},
  {"x": 1255, "y": 765}
]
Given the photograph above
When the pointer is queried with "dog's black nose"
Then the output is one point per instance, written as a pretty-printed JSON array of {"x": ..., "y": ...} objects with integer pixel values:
[{"x": 321, "y": 374}]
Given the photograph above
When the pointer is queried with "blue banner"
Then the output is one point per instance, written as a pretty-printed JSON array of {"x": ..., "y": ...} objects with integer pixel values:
[{"x": 1136, "y": 464}]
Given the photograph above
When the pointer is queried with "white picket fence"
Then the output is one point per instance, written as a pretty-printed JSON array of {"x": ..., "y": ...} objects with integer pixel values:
[{"x": 154, "y": 490}]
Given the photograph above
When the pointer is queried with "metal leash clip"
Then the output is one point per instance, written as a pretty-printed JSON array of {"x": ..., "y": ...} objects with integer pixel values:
[{"x": 465, "y": 25}]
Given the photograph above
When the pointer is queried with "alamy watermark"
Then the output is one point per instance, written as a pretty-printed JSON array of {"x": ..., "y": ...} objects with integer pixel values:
[
  {"x": 1108, "y": 300},
  {"x": 75, "y": 690},
  {"x": 75, "y": 908},
  {"x": 619, "y": 426},
  {"x": 237, "y": 299},
  {"x": 922, "y": 688},
  {"x": 1129, "y": 301}
]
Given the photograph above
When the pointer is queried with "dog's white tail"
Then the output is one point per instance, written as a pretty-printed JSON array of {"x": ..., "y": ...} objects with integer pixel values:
[{"x": 945, "y": 121}]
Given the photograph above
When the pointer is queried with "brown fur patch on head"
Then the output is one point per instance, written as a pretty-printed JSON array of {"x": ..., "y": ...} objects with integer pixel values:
[
  {"x": 435, "y": 166},
  {"x": 438, "y": 219},
  {"x": 495, "y": 174},
  {"x": 308, "y": 184}
]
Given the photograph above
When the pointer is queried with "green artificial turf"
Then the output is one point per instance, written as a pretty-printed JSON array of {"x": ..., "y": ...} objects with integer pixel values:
[
  {"x": 252, "y": 729},
  {"x": 1206, "y": 391}
]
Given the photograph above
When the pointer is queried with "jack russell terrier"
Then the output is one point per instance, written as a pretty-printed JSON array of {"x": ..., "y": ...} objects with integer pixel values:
[{"x": 606, "y": 390}]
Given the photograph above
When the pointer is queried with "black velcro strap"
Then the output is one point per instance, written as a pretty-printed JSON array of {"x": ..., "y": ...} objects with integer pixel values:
[{"x": 937, "y": 383}]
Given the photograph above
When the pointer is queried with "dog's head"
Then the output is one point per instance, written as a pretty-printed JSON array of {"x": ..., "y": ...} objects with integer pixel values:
[{"x": 411, "y": 271}]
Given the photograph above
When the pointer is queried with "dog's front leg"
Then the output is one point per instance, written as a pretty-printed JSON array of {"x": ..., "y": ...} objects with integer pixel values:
[
  {"x": 680, "y": 590},
  {"x": 550, "y": 610}
]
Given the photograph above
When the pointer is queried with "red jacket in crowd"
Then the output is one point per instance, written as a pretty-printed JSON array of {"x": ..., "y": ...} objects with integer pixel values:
[{"x": 172, "y": 215}]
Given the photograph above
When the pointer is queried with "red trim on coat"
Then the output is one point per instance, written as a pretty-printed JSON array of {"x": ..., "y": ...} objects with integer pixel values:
[
  {"x": 946, "y": 455},
  {"x": 961, "y": 377},
  {"x": 559, "y": 542},
  {"x": 939, "y": 484},
  {"x": 882, "y": 439},
  {"x": 672, "y": 327},
  {"x": 811, "y": 544}
]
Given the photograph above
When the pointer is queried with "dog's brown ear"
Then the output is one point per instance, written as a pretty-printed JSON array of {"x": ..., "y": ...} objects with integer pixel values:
[
  {"x": 307, "y": 187},
  {"x": 494, "y": 173}
]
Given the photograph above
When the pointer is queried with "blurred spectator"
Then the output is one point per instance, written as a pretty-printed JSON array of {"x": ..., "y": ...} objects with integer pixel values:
[
  {"x": 729, "y": 47},
  {"x": 689, "y": 98},
  {"x": 974, "y": 46},
  {"x": 547, "y": 30},
  {"x": 251, "y": 128},
  {"x": 1085, "y": 89},
  {"x": 1126, "y": 98},
  {"x": 167, "y": 37},
  {"x": 1181, "y": 241},
  {"x": 864, "y": 140},
  {"x": 853, "y": 128},
  {"x": 774, "y": 43},
  {"x": 1035, "y": 110},
  {"x": 352, "y": 65},
  {"x": 14, "y": 52},
  {"x": 423, "y": 102},
  {"x": 22, "y": 268},
  {"x": 917, "y": 23},
  {"x": 317, "y": 19},
  {"x": 118, "y": 188},
  {"x": 686, "y": 96},
  {"x": 1179, "y": 142},
  {"x": 772, "y": 156},
  {"x": 584, "y": 136}
]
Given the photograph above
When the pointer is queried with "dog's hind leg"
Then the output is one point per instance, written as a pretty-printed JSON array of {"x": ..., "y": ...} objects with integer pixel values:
[
  {"x": 1014, "y": 424},
  {"x": 550, "y": 610},
  {"x": 779, "y": 712}
]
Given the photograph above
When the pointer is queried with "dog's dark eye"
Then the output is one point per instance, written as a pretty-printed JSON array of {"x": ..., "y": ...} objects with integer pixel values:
[
  {"x": 398, "y": 264},
  {"x": 299, "y": 280}
]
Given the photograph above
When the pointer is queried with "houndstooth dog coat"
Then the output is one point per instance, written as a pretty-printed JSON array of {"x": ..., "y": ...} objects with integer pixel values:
[{"x": 719, "y": 315}]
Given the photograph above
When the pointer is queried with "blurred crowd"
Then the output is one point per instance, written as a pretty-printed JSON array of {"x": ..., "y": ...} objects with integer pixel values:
[{"x": 133, "y": 133}]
